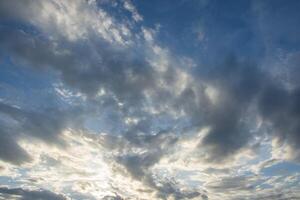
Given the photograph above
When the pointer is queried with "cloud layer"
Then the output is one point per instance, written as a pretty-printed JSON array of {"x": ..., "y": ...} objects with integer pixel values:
[{"x": 99, "y": 102}]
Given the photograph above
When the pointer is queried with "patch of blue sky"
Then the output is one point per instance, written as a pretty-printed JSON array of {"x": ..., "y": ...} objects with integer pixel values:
[
  {"x": 18, "y": 84},
  {"x": 282, "y": 169}
]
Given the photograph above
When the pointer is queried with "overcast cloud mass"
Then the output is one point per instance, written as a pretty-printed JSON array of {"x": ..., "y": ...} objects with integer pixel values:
[{"x": 143, "y": 100}]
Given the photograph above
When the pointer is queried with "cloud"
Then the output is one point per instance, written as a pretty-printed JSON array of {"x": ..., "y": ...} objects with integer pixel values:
[
  {"x": 113, "y": 198},
  {"x": 126, "y": 75},
  {"x": 135, "y": 15},
  {"x": 24, "y": 194},
  {"x": 19, "y": 123},
  {"x": 152, "y": 105},
  {"x": 280, "y": 107},
  {"x": 10, "y": 151},
  {"x": 247, "y": 91}
]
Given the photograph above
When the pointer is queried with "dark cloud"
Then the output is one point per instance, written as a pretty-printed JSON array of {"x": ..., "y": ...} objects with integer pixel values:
[
  {"x": 138, "y": 165},
  {"x": 46, "y": 125},
  {"x": 246, "y": 91},
  {"x": 16, "y": 122},
  {"x": 10, "y": 151},
  {"x": 281, "y": 108},
  {"x": 23, "y": 194},
  {"x": 237, "y": 85},
  {"x": 171, "y": 189},
  {"x": 168, "y": 189},
  {"x": 85, "y": 67},
  {"x": 245, "y": 187},
  {"x": 117, "y": 197},
  {"x": 280, "y": 196}
]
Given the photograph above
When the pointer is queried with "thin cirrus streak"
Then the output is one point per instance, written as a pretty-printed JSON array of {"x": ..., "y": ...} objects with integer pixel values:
[{"x": 149, "y": 100}]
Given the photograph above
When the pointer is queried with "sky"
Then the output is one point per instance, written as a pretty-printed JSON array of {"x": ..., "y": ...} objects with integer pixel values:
[{"x": 149, "y": 99}]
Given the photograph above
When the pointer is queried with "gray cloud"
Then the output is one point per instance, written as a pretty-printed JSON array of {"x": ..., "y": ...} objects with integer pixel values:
[
  {"x": 7, "y": 11},
  {"x": 137, "y": 165},
  {"x": 125, "y": 75},
  {"x": 45, "y": 125},
  {"x": 10, "y": 151},
  {"x": 131, "y": 87},
  {"x": 117, "y": 197},
  {"x": 281, "y": 107},
  {"x": 239, "y": 84},
  {"x": 170, "y": 189},
  {"x": 23, "y": 194},
  {"x": 247, "y": 91},
  {"x": 233, "y": 183}
]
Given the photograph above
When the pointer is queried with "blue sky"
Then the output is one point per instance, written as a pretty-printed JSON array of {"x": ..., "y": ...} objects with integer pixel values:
[{"x": 136, "y": 99}]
